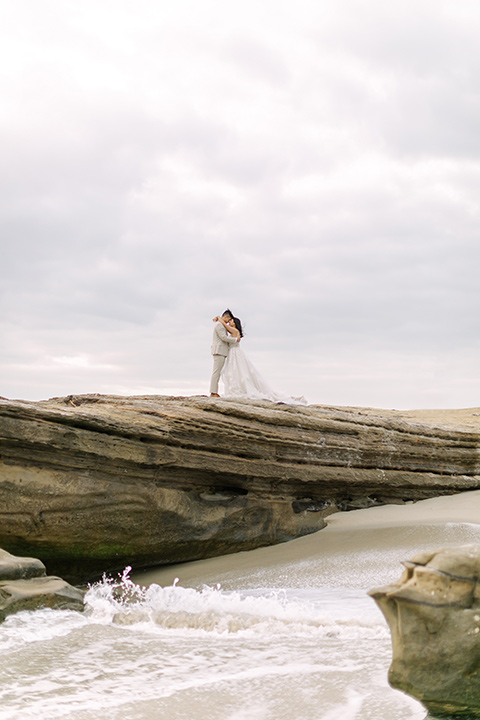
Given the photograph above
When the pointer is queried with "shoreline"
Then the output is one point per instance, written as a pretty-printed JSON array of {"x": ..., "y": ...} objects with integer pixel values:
[{"x": 347, "y": 535}]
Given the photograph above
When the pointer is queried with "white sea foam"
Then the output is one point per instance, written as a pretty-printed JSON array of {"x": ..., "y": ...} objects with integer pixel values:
[
  {"x": 289, "y": 633},
  {"x": 211, "y": 610},
  {"x": 28, "y": 627},
  {"x": 163, "y": 646},
  {"x": 349, "y": 710}
]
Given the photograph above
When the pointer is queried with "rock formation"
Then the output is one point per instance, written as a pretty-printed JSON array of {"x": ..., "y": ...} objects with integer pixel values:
[
  {"x": 25, "y": 586},
  {"x": 93, "y": 483},
  {"x": 433, "y": 612}
]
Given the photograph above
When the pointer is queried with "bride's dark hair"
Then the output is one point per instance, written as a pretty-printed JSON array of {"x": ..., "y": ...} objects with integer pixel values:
[{"x": 238, "y": 325}]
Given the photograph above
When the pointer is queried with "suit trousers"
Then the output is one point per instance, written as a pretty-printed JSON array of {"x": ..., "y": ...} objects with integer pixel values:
[{"x": 218, "y": 363}]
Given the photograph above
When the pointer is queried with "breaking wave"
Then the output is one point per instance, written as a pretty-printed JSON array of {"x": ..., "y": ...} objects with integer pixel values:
[{"x": 209, "y": 610}]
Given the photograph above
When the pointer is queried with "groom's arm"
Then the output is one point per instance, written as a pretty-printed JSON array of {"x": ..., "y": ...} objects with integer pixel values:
[{"x": 223, "y": 334}]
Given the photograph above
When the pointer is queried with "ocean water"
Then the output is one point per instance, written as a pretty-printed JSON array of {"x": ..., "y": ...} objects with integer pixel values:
[{"x": 282, "y": 633}]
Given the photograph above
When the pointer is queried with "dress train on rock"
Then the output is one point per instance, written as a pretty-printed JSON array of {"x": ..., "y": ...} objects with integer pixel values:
[{"x": 242, "y": 380}]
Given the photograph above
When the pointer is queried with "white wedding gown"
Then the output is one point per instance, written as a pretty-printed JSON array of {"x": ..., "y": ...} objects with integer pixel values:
[{"x": 242, "y": 380}]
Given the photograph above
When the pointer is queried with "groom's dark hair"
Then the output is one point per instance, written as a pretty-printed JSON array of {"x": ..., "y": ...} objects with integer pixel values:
[{"x": 228, "y": 312}]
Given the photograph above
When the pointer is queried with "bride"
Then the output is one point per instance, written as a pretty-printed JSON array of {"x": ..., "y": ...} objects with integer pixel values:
[{"x": 240, "y": 377}]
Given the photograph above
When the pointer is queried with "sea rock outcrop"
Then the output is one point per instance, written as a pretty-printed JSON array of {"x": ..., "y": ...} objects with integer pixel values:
[
  {"x": 433, "y": 612},
  {"x": 24, "y": 585},
  {"x": 92, "y": 483},
  {"x": 19, "y": 568}
]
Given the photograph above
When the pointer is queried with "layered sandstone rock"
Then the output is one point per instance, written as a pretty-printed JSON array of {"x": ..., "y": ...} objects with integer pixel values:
[
  {"x": 93, "y": 483},
  {"x": 25, "y": 586},
  {"x": 433, "y": 612}
]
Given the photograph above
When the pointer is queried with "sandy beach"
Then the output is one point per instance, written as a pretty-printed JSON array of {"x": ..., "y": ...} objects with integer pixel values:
[{"x": 403, "y": 528}]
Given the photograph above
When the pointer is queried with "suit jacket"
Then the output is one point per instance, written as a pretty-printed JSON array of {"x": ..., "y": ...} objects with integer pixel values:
[{"x": 221, "y": 340}]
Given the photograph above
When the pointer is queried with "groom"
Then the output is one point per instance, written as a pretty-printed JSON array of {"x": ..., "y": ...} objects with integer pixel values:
[{"x": 220, "y": 347}]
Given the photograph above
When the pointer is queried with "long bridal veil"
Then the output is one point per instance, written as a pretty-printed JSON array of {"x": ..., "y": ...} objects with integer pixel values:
[{"x": 242, "y": 380}]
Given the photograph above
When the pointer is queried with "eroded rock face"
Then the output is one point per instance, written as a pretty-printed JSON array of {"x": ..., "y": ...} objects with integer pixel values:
[
  {"x": 92, "y": 483},
  {"x": 19, "y": 568},
  {"x": 24, "y": 586},
  {"x": 433, "y": 612}
]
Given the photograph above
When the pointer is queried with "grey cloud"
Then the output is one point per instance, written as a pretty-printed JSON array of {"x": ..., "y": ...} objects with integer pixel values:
[
  {"x": 444, "y": 121},
  {"x": 403, "y": 76},
  {"x": 348, "y": 229},
  {"x": 257, "y": 60},
  {"x": 421, "y": 39}
]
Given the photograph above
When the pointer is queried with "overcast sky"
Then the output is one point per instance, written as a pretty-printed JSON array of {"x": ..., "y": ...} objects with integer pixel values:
[{"x": 313, "y": 165}]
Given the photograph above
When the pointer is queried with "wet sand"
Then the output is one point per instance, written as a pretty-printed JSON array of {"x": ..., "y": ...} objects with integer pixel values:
[{"x": 401, "y": 530}]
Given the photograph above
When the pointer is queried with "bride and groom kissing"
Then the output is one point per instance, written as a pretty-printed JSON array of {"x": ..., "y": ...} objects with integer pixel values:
[
  {"x": 240, "y": 377},
  {"x": 226, "y": 333}
]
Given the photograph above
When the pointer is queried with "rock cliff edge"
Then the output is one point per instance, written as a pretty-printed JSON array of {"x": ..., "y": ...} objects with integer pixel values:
[{"x": 92, "y": 483}]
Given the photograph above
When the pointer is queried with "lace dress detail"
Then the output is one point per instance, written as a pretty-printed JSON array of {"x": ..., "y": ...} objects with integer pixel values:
[{"x": 242, "y": 380}]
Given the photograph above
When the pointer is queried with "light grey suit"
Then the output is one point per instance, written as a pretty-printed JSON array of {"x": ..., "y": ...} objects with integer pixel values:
[{"x": 220, "y": 346}]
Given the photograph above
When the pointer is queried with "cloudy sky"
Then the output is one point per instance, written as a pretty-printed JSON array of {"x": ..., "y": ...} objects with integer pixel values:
[{"x": 313, "y": 165}]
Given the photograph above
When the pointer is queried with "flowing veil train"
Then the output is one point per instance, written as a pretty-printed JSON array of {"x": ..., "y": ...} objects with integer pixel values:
[{"x": 242, "y": 380}]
